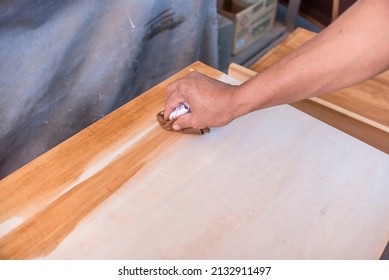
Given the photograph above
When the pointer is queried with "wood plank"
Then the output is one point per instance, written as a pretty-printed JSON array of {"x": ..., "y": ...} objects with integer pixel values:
[
  {"x": 240, "y": 73},
  {"x": 368, "y": 102},
  {"x": 275, "y": 184}
]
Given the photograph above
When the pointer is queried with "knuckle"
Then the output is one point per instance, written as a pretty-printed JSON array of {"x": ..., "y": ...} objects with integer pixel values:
[{"x": 170, "y": 88}]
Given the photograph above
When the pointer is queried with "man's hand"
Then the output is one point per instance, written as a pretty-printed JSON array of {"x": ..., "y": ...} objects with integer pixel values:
[
  {"x": 355, "y": 47},
  {"x": 211, "y": 101}
]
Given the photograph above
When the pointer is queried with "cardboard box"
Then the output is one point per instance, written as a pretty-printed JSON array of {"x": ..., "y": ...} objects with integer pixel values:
[{"x": 251, "y": 23}]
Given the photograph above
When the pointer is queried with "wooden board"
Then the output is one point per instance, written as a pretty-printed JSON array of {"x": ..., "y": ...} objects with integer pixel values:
[
  {"x": 361, "y": 110},
  {"x": 275, "y": 184}
]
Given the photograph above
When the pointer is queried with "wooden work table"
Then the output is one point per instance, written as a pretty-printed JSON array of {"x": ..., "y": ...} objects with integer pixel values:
[{"x": 275, "y": 184}]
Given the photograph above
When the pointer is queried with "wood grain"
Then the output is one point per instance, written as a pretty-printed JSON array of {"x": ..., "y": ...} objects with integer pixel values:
[
  {"x": 71, "y": 169},
  {"x": 275, "y": 184}
]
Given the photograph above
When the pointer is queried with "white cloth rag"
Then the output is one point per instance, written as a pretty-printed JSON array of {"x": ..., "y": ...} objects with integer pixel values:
[{"x": 180, "y": 110}]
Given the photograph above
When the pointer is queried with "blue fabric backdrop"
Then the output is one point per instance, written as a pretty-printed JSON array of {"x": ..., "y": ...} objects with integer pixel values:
[{"x": 66, "y": 64}]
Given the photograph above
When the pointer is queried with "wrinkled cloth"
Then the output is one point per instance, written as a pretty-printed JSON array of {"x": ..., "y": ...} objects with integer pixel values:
[
  {"x": 65, "y": 64},
  {"x": 180, "y": 110},
  {"x": 167, "y": 125}
]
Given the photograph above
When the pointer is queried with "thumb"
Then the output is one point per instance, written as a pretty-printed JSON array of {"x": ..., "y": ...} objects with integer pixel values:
[
  {"x": 182, "y": 122},
  {"x": 170, "y": 106}
]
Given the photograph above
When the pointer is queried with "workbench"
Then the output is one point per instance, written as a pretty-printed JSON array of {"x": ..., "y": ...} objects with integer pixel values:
[{"x": 274, "y": 184}]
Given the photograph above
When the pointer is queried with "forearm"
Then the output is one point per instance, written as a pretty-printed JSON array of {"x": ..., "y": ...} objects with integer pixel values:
[{"x": 352, "y": 49}]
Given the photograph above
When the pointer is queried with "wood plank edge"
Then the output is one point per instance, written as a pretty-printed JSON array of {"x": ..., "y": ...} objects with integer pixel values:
[{"x": 243, "y": 74}]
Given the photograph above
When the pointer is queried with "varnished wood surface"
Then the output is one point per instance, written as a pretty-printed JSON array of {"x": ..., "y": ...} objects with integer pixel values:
[
  {"x": 275, "y": 184},
  {"x": 370, "y": 99}
]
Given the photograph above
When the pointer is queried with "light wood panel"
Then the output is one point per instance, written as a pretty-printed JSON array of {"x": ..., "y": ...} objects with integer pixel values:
[{"x": 275, "y": 184}]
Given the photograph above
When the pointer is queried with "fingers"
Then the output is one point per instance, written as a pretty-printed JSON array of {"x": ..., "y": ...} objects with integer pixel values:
[
  {"x": 182, "y": 122},
  {"x": 179, "y": 92},
  {"x": 172, "y": 99}
]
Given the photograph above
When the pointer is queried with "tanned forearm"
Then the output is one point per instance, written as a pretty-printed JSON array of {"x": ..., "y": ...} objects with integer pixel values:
[{"x": 352, "y": 49}]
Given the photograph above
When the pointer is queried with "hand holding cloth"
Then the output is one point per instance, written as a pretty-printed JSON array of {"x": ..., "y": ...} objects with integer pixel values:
[{"x": 179, "y": 111}]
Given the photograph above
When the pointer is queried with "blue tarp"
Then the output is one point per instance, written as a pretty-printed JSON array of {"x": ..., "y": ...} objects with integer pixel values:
[{"x": 66, "y": 64}]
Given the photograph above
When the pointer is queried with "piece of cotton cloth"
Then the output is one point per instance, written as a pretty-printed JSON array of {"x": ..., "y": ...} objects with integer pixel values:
[{"x": 179, "y": 111}]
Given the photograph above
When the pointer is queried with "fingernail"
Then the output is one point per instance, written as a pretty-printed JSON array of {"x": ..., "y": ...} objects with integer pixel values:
[{"x": 176, "y": 127}]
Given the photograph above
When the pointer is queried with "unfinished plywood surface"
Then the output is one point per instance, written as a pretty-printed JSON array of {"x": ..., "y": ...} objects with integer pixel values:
[
  {"x": 275, "y": 184},
  {"x": 361, "y": 110}
]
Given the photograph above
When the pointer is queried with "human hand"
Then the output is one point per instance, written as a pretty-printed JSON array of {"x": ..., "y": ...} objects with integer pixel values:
[{"x": 210, "y": 100}]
